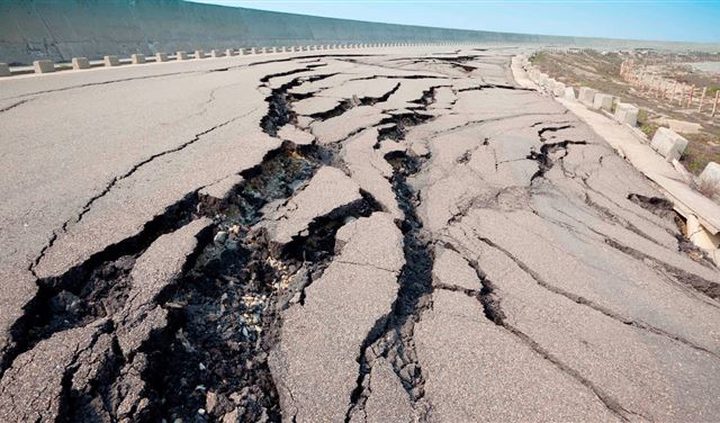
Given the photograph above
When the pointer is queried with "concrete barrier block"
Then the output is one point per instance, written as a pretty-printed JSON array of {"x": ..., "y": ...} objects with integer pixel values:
[
  {"x": 626, "y": 113},
  {"x": 161, "y": 57},
  {"x": 4, "y": 69},
  {"x": 559, "y": 89},
  {"x": 199, "y": 54},
  {"x": 229, "y": 52},
  {"x": 44, "y": 66},
  {"x": 182, "y": 55},
  {"x": 570, "y": 93},
  {"x": 668, "y": 144},
  {"x": 80, "y": 63},
  {"x": 603, "y": 102},
  {"x": 111, "y": 61},
  {"x": 699, "y": 236},
  {"x": 214, "y": 53},
  {"x": 711, "y": 174},
  {"x": 586, "y": 96},
  {"x": 137, "y": 59}
]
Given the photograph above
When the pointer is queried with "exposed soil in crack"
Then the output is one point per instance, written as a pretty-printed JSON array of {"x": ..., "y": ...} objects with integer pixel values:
[
  {"x": 93, "y": 289},
  {"x": 369, "y": 101},
  {"x": 279, "y": 111},
  {"x": 392, "y": 335},
  {"x": 336, "y": 111},
  {"x": 395, "y": 127},
  {"x": 212, "y": 351},
  {"x": 545, "y": 157}
]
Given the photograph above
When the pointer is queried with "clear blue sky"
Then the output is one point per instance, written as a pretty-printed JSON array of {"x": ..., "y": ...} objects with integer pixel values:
[{"x": 646, "y": 20}]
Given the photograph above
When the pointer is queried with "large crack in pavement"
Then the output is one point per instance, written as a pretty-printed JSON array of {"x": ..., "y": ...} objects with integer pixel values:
[{"x": 392, "y": 335}]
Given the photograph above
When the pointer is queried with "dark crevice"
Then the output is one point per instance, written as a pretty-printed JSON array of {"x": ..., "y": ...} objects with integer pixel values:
[
  {"x": 72, "y": 404},
  {"x": 367, "y": 78},
  {"x": 265, "y": 79},
  {"x": 492, "y": 310},
  {"x": 428, "y": 96},
  {"x": 481, "y": 87},
  {"x": 94, "y": 401},
  {"x": 612, "y": 217},
  {"x": 223, "y": 313},
  {"x": 99, "y": 287},
  {"x": 664, "y": 209},
  {"x": 545, "y": 159},
  {"x": 14, "y": 105},
  {"x": 316, "y": 249},
  {"x": 589, "y": 303},
  {"x": 369, "y": 101},
  {"x": 395, "y": 126},
  {"x": 392, "y": 335},
  {"x": 309, "y": 56},
  {"x": 660, "y": 207},
  {"x": 279, "y": 111},
  {"x": 89, "y": 291},
  {"x": 342, "y": 107},
  {"x": 541, "y": 132},
  {"x": 88, "y": 205},
  {"x": 707, "y": 287}
]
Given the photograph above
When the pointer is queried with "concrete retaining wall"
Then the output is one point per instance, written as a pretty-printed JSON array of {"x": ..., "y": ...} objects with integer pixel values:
[{"x": 62, "y": 29}]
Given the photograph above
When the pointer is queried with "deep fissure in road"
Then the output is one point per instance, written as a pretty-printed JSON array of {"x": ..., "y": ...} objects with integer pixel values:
[{"x": 392, "y": 335}]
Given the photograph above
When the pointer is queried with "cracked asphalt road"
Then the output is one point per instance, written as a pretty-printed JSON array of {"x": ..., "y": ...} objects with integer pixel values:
[{"x": 397, "y": 235}]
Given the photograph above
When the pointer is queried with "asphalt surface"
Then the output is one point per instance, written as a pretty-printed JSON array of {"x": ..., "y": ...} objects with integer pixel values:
[{"x": 368, "y": 235}]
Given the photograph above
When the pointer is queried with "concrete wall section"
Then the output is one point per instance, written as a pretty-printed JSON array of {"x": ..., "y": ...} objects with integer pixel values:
[{"x": 62, "y": 29}]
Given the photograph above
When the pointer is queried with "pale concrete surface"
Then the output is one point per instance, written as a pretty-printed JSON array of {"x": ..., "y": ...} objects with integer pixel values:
[
  {"x": 504, "y": 266},
  {"x": 586, "y": 96},
  {"x": 668, "y": 144},
  {"x": 626, "y": 113},
  {"x": 603, "y": 102},
  {"x": 711, "y": 173}
]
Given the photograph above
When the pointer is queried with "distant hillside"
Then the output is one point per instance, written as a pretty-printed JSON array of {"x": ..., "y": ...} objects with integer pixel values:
[{"x": 61, "y": 29}]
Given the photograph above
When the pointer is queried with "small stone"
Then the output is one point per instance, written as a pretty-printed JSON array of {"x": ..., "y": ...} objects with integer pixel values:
[
  {"x": 202, "y": 367},
  {"x": 230, "y": 417},
  {"x": 201, "y": 411},
  {"x": 211, "y": 401},
  {"x": 220, "y": 237}
]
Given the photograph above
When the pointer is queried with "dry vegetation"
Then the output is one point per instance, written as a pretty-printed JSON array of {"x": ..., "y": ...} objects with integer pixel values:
[{"x": 601, "y": 71}]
